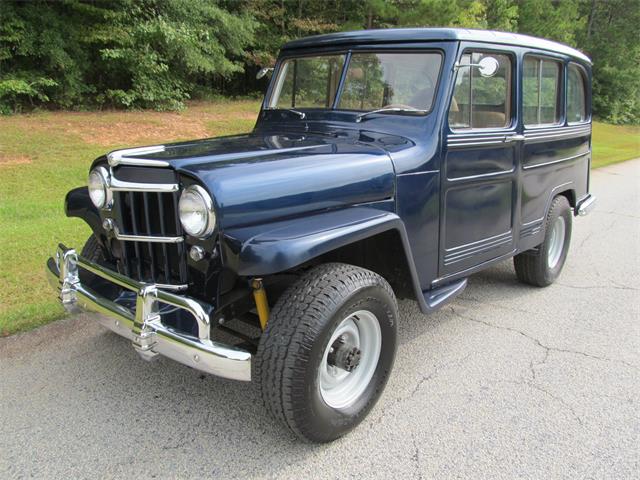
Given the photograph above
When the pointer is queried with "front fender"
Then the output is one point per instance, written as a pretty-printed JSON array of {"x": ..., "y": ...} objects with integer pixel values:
[
  {"x": 78, "y": 204},
  {"x": 279, "y": 246}
]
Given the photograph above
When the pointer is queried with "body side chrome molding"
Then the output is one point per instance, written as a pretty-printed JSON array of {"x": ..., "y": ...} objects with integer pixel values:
[
  {"x": 560, "y": 160},
  {"x": 530, "y": 135}
]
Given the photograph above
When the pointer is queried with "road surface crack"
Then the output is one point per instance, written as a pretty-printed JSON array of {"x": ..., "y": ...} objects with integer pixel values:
[
  {"x": 591, "y": 287},
  {"x": 543, "y": 346},
  {"x": 416, "y": 457},
  {"x": 423, "y": 380}
]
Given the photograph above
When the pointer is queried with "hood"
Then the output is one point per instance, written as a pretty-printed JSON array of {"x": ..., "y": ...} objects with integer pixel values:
[{"x": 265, "y": 176}]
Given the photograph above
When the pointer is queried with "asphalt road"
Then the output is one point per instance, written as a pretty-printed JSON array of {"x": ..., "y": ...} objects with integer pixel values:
[{"x": 507, "y": 382}]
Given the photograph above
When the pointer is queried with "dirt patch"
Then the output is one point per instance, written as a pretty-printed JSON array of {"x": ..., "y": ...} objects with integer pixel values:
[
  {"x": 111, "y": 128},
  {"x": 148, "y": 128},
  {"x": 6, "y": 160}
]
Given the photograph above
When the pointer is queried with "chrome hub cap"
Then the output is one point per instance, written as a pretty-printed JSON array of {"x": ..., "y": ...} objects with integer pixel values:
[
  {"x": 556, "y": 242},
  {"x": 350, "y": 359}
]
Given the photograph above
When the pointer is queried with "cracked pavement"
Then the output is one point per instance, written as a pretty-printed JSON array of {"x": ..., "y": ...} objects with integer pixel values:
[{"x": 508, "y": 381}]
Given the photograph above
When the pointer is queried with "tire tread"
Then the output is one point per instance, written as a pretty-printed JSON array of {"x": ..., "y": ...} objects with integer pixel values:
[{"x": 295, "y": 320}]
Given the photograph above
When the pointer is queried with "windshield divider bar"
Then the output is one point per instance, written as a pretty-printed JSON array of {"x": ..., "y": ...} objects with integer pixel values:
[{"x": 343, "y": 76}]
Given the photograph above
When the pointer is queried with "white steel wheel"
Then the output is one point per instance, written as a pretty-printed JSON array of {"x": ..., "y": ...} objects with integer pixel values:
[
  {"x": 350, "y": 359},
  {"x": 542, "y": 265},
  {"x": 328, "y": 349},
  {"x": 556, "y": 242}
]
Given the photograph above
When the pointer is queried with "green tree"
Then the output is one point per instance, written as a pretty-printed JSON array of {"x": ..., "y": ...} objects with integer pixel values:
[
  {"x": 131, "y": 53},
  {"x": 552, "y": 19},
  {"x": 611, "y": 38}
]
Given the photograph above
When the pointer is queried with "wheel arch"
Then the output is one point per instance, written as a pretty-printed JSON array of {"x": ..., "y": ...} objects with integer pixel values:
[
  {"x": 570, "y": 195},
  {"x": 566, "y": 190}
]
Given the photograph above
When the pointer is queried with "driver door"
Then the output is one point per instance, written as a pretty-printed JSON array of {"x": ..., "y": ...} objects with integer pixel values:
[{"x": 479, "y": 184}]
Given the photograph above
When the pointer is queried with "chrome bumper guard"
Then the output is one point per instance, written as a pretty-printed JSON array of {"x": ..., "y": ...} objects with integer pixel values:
[
  {"x": 586, "y": 205},
  {"x": 144, "y": 327}
]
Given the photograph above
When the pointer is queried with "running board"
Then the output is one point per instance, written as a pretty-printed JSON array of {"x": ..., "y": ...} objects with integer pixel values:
[{"x": 438, "y": 297}]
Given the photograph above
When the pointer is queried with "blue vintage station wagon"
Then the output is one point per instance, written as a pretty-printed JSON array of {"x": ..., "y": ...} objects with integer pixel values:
[{"x": 383, "y": 164}]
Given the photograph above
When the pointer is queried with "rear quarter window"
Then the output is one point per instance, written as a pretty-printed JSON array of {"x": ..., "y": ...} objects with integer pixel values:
[
  {"x": 576, "y": 95},
  {"x": 542, "y": 80}
]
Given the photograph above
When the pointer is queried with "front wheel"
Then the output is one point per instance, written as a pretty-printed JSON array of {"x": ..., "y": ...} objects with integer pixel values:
[
  {"x": 327, "y": 351},
  {"x": 542, "y": 266}
]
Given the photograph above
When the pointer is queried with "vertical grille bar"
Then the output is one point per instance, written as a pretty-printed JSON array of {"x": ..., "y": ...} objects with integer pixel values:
[
  {"x": 147, "y": 221},
  {"x": 134, "y": 224},
  {"x": 163, "y": 231},
  {"x": 182, "y": 264},
  {"x": 125, "y": 257}
]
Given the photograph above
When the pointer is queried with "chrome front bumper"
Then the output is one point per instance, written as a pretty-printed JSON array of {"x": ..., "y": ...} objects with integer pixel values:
[{"x": 144, "y": 327}]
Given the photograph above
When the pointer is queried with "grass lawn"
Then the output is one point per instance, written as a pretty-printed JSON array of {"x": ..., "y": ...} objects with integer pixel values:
[
  {"x": 44, "y": 155},
  {"x": 612, "y": 144}
]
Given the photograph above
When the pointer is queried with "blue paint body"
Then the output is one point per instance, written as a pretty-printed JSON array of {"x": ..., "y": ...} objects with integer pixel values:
[{"x": 294, "y": 189}]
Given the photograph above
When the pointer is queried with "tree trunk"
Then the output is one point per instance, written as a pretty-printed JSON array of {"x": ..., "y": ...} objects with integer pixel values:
[{"x": 592, "y": 15}]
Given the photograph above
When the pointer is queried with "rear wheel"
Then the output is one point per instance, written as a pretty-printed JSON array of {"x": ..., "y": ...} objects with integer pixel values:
[
  {"x": 327, "y": 351},
  {"x": 542, "y": 266}
]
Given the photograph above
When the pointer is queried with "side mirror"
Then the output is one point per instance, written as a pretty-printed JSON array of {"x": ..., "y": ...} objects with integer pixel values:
[
  {"x": 262, "y": 72},
  {"x": 488, "y": 66}
]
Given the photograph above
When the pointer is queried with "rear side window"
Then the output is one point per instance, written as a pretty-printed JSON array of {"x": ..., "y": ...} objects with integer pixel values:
[
  {"x": 481, "y": 101},
  {"x": 576, "y": 95},
  {"x": 541, "y": 84}
]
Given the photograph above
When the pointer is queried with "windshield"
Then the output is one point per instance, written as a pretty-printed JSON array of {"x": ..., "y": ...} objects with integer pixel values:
[{"x": 400, "y": 80}]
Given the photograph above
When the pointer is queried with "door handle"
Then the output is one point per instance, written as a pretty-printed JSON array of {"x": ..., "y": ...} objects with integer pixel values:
[{"x": 514, "y": 138}]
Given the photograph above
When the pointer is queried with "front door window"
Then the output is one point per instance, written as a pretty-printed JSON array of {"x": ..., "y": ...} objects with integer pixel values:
[{"x": 481, "y": 101}]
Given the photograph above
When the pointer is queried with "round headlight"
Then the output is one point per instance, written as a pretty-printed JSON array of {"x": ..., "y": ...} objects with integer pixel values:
[
  {"x": 99, "y": 187},
  {"x": 196, "y": 212}
]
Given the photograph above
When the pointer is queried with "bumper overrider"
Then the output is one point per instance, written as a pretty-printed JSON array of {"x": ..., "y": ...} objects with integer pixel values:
[{"x": 144, "y": 327}]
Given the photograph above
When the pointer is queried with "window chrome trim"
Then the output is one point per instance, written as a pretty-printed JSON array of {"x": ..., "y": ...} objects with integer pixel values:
[
  {"x": 557, "y": 133},
  {"x": 482, "y": 139}
]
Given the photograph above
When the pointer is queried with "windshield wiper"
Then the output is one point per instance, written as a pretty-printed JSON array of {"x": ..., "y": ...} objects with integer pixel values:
[
  {"x": 389, "y": 109},
  {"x": 300, "y": 114}
]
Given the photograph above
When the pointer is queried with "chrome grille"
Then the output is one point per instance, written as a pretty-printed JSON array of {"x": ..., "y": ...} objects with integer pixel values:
[{"x": 149, "y": 237}]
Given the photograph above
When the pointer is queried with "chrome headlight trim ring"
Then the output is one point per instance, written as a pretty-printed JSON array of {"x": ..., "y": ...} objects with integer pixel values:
[
  {"x": 105, "y": 180},
  {"x": 209, "y": 223}
]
